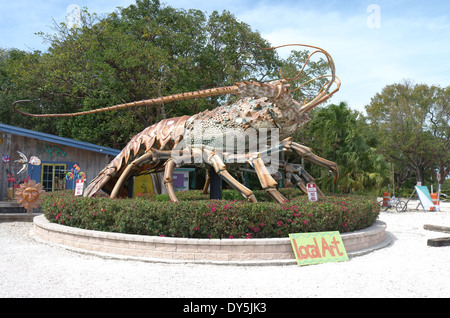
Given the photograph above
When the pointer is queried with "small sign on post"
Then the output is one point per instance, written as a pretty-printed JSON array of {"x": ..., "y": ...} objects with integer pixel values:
[
  {"x": 312, "y": 191},
  {"x": 79, "y": 187}
]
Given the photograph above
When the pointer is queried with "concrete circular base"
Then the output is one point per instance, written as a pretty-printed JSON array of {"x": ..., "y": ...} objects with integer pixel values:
[{"x": 203, "y": 251}]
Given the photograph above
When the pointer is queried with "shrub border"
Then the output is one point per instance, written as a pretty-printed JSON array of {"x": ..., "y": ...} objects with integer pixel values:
[
  {"x": 202, "y": 251},
  {"x": 197, "y": 217}
]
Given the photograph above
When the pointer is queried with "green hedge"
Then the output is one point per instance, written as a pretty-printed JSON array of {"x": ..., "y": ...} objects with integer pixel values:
[{"x": 195, "y": 216}]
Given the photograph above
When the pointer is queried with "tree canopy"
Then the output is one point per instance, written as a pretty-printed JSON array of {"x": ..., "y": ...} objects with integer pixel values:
[
  {"x": 413, "y": 128},
  {"x": 340, "y": 135},
  {"x": 145, "y": 50}
]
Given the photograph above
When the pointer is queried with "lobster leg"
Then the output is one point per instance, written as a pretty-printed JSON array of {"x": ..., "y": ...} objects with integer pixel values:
[
  {"x": 267, "y": 182},
  {"x": 207, "y": 181},
  {"x": 299, "y": 183},
  {"x": 128, "y": 171},
  {"x": 221, "y": 170},
  {"x": 301, "y": 178},
  {"x": 307, "y": 178},
  {"x": 306, "y": 153},
  {"x": 255, "y": 160},
  {"x": 168, "y": 179}
]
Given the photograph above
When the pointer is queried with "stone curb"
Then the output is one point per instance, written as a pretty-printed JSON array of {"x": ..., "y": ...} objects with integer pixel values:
[{"x": 273, "y": 251}]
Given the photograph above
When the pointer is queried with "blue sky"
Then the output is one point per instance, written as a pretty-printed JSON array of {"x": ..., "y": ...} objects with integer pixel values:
[{"x": 374, "y": 43}]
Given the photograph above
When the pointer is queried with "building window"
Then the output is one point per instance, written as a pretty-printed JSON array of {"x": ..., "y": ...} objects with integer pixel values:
[{"x": 53, "y": 176}]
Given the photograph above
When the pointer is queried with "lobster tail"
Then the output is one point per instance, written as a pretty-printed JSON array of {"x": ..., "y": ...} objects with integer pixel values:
[
  {"x": 138, "y": 154},
  {"x": 106, "y": 179}
]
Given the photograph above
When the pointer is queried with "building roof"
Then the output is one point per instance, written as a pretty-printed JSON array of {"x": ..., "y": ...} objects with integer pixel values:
[{"x": 58, "y": 140}]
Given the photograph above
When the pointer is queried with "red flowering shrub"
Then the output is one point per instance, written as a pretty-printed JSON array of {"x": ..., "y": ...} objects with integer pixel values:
[{"x": 195, "y": 216}]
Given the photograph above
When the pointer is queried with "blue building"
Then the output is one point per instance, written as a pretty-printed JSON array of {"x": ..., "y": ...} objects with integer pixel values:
[{"x": 53, "y": 161}]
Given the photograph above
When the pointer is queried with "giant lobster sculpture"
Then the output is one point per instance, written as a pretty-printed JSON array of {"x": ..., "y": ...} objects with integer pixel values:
[{"x": 262, "y": 107}]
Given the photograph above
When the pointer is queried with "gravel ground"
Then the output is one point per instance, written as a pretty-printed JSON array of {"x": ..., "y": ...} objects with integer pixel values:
[{"x": 407, "y": 268}]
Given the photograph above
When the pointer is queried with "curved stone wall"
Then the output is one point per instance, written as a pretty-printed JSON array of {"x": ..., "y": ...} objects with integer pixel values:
[{"x": 217, "y": 251}]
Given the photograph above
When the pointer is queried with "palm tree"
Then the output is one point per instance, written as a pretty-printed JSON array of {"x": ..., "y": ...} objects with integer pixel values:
[{"x": 335, "y": 133}]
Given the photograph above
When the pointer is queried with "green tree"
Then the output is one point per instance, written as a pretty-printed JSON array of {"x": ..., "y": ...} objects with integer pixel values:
[
  {"x": 14, "y": 64},
  {"x": 340, "y": 134},
  {"x": 413, "y": 125},
  {"x": 143, "y": 51}
]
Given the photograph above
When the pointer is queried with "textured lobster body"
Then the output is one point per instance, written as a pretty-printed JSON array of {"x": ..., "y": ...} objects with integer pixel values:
[{"x": 207, "y": 129}]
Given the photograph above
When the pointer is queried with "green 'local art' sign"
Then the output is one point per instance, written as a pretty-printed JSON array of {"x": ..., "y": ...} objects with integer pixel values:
[{"x": 318, "y": 247}]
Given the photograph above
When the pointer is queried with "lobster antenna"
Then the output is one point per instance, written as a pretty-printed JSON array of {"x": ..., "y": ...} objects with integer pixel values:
[
  {"x": 301, "y": 71},
  {"x": 154, "y": 101},
  {"x": 323, "y": 93},
  {"x": 321, "y": 97},
  {"x": 318, "y": 50}
]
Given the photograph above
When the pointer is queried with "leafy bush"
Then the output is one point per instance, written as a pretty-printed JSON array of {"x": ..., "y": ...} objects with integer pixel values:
[{"x": 195, "y": 216}]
